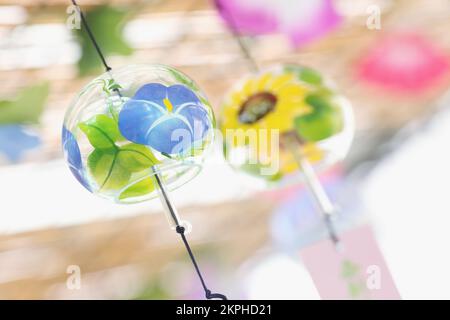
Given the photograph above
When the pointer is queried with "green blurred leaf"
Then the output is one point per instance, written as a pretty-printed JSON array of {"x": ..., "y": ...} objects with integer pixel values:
[
  {"x": 107, "y": 25},
  {"x": 138, "y": 189},
  {"x": 26, "y": 107},
  {"x": 324, "y": 121},
  {"x": 154, "y": 291},
  {"x": 101, "y": 131}
]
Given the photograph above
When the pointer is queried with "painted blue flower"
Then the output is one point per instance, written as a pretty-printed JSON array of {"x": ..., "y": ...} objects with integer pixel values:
[
  {"x": 73, "y": 156},
  {"x": 15, "y": 140},
  {"x": 168, "y": 119}
]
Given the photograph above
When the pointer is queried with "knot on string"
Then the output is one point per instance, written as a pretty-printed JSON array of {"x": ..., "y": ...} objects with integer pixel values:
[{"x": 180, "y": 229}]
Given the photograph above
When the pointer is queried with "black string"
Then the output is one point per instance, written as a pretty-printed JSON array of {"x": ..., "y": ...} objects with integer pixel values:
[
  {"x": 208, "y": 294},
  {"x": 235, "y": 33},
  {"x": 91, "y": 36},
  {"x": 179, "y": 229}
]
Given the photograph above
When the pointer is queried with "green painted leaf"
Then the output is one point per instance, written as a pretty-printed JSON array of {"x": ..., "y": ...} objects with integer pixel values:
[
  {"x": 310, "y": 76},
  {"x": 255, "y": 169},
  {"x": 349, "y": 269},
  {"x": 135, "y": 157},
  {"x": 101, "y": 131},
  {"x": 324, "y": 121},
  {"x": 111, "y": 165},
  {"x": 26, "y": 107},
  {"x": 112, "y": 168},
  {"x": 306, "y": 74},
  {"x": 106, "y": 170},
  {"x": 356, "y": 289},
  {"x": 138, "y": 189},
  {"x": 107, "y": 25}
]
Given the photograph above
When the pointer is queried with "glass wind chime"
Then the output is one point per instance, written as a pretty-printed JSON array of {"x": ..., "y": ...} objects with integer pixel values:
[
  {"x": 137, "y": 132},
  {"x": 313, "y": 122},
  {"x": 297, "y": 124}
]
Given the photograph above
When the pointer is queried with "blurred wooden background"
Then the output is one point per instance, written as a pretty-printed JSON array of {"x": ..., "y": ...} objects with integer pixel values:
[{"x": 188, "y": 35}]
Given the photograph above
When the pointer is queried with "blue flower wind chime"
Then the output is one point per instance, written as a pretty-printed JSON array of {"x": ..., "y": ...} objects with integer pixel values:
[{"x": 135, "y": 133}]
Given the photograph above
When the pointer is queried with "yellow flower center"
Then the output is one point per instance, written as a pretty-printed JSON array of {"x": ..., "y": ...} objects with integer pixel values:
[
  {"x": 257, "y": 107},
  {"x": 168, "y": 104}
]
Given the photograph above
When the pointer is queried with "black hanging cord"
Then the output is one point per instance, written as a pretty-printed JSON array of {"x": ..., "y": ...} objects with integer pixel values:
[
  {"x": 91, "y": 36},
  {"x": 235, "y": 32},
  {"x": 208, "y": 294},
  {"x": 179, "y": 228}
]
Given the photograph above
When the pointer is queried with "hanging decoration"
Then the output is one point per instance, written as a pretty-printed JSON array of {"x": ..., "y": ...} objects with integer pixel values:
[
  {"x": 137, "y": 132},
  {"x": 301, "y": 21},
  {"x": 356, "y": 271},
  {"x": 300, "y": 124},
  {"x": 295, "y": 101},
  {"x": 156, "y": 125},
  {"x": 289, "y": 120}
]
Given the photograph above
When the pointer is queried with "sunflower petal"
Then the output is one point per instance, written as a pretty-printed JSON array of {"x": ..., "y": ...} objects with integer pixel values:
[
  {"x": 264, "y": 81},
  {"x": 281, "y": 80}
]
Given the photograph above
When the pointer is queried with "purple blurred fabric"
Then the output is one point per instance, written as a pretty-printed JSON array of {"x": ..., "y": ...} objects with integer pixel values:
[{"x": 301, "y": 20}]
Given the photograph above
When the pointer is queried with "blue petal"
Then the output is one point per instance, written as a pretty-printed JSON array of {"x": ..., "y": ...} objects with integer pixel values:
[
  {"x": 199, "y": 120},
  {"x": 138, "y": 117},
  {"x": 179, "y": 94},
  {"x": 171, "y": 136},
  {"x": 154, "y": 92},
  {"x": 135, "y": 119},
  {"x": 73, "y": 156},
  {"x": 71, "y": 148}
]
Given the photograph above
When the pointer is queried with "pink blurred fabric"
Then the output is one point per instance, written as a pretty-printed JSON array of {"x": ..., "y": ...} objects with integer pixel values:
[
  {"x": 247, "y": 20},
  {"x": 407, "y": 63}
]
